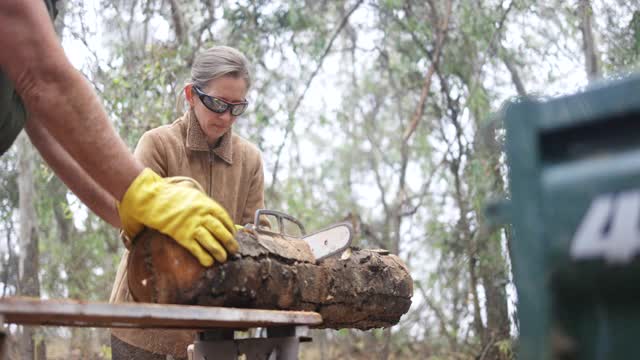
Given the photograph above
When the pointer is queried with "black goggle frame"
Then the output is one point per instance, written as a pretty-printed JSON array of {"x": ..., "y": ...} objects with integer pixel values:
[{"x": 218, "y": 105}]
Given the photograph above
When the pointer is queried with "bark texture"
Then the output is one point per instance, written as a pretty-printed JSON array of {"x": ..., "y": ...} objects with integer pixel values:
[
  {"x": 361, "y": 289},
  {"x": 588, "y": 40},
  {"x": 29, "y": 283}
]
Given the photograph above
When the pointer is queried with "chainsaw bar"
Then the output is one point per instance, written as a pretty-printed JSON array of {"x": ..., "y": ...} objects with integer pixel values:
[{"x": 330, "y": 241}]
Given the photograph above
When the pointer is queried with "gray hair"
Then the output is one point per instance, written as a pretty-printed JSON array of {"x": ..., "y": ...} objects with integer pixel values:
[{"x": 214, "y": 63}]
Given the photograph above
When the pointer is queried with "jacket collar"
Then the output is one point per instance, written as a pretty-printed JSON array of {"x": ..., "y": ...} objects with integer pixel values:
[{"x": 197, "y": 141}]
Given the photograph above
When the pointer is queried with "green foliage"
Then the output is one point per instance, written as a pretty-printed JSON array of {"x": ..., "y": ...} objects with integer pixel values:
[
  {"x": 505, "y": 347},
  {"x": 143, "y": 94},
  {"x": 8, "y": 185}
]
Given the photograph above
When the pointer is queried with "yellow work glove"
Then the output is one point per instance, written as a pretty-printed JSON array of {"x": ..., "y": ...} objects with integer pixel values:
[
  {"x": 189, "y": 216},
  {"x": 239, "y": 227},
  {"x": 130, "y": 231}
]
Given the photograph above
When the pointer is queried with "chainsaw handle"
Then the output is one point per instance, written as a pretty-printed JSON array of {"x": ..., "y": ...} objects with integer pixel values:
[{"x": 279, "y": 216}]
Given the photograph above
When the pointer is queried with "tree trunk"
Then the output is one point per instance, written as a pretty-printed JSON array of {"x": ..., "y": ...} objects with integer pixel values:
[
  {"x": 492, "y": 267},
  {"x": 29, "y": 284},
  {"x": 361, "y": 289},
  {"x": 10, "y": 270},
  {"x": 75, "y": 266},
  {"x": 386, "y": 345},
  {"x": 178, "y": 22},
  {"x": 515, "y": 75},
  {"x": 494, "y": 279},
  {"x": 588, "y": 42}
]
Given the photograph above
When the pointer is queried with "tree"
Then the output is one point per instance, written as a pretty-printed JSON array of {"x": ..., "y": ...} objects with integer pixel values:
[
  {"x": 588, "y": 42},
  {"x": 29, "y": 283}
]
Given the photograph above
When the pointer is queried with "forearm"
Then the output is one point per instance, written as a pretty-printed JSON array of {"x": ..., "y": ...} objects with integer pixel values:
[
  {"x": 80, "y": 125},
  {"x": 58, "y": 98},
  {"x": 82, "y": 185}
]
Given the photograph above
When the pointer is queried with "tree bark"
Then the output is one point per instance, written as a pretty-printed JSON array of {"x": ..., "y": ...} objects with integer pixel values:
[
  {"x": 361, "y": 289},
  {"x": 494, "y": 279},
  {"x": 515, "y": 75},
  {"x": 492, "y": 268},
  {"x": 588, "y": 42},
  {"x": 178, "y": 22},
  {"x": 29, "y": 284}
]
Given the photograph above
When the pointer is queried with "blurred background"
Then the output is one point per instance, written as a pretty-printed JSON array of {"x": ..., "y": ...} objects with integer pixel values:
[{"x": 384, "y": 113}]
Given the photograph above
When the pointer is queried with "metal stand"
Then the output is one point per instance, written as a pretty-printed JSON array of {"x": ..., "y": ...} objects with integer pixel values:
[{"x": 281, "y": 343}]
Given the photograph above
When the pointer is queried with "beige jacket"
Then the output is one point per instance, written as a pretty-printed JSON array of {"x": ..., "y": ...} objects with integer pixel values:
[{"x": 231, "y": 174}]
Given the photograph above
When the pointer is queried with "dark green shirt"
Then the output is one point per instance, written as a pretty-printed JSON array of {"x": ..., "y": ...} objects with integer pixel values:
[{"x": 12, "y": 112}]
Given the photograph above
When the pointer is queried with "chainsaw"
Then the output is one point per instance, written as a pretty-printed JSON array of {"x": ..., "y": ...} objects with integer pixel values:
[{"x": 330, "y": 241}]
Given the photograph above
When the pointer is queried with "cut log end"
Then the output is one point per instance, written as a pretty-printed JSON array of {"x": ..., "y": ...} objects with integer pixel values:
[{"x": 363, "y": 289}]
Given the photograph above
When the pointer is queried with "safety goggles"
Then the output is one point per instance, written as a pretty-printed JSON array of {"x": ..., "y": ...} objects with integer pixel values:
[{"x": 219, "y": 106}]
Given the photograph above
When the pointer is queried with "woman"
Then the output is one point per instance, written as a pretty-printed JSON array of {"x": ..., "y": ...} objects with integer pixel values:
[{"x": 200, "y": 145}]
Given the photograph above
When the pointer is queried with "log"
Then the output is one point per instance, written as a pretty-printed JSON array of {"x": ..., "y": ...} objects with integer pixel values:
[{"x": 360, "y": 289}]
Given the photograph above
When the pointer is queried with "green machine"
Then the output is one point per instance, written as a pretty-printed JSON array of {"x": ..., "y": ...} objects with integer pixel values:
[{"x": 574, "y": 168}]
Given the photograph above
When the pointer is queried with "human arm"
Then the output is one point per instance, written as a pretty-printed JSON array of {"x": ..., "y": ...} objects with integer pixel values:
[
  {"x": 148, "y": 153},
  {"x": 61, "y": 101},
  {"x": 58, "y": 98},
  {"x": 74, "y": 176}
]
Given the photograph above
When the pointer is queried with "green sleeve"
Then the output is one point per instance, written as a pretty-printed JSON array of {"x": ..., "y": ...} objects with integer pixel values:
[{"x": 12, "y": 112}]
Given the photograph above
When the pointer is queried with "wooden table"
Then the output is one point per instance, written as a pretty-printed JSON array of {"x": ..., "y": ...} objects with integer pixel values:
[{"x": 216, "y": 325}]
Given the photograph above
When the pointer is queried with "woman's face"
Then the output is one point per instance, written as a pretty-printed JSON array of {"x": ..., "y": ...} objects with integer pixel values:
[{"x": 228, "y": 88}]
